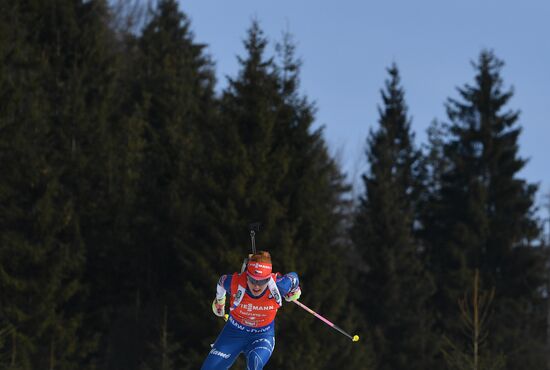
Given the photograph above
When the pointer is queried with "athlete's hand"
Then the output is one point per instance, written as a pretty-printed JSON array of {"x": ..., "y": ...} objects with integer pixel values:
[
  {"x": 293, "y": 295},
  {"x": 218, "y": 307}
]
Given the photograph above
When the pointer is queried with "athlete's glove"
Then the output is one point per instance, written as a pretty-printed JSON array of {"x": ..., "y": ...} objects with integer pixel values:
[
  {"x": 293, "y": 295},
  {"x": 218, "y": 307}
]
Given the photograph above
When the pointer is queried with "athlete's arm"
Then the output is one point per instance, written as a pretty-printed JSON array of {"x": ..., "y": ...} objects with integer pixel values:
[
  {"x": 224, "y": 285},
  {"x": 288, "y": 283}
]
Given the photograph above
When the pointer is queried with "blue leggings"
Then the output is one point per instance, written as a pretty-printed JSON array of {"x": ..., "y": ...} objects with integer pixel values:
[{"x": 232, "y": 341}]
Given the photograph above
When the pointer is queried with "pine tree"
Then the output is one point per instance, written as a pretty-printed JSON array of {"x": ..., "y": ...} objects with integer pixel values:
[
  {"x": 395, "y": 288},
  {"x": 484, "y": 218}
]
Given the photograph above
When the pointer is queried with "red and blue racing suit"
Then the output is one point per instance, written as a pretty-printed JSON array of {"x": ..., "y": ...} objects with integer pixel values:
[{"x": 250, "y": 328}]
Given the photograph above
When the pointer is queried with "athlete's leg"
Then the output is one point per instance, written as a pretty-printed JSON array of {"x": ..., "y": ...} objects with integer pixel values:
[
  {"x": 229, "y": 344},
  {"x": 219, "y": 358},
  {"x": 259, "y": 351}
]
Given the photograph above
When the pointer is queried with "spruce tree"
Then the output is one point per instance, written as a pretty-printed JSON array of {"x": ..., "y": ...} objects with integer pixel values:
[
  {"x": 313, "y": 192},
  {"x": 234, "y": 189},
  {"x": 164, "y": 349},
  {"x": 169, "y": 89},
  {"x": 484, "y": 218},
  {"x": 82, "y": 84},
  {"x": 111, "y": 187},
  {"x": 18, "y": 122},
  {"x": 266, "y": 164},
  {"x": 395, "y": 288},
  {"x": 47, "y": 150},
  {"x": 434, "y": 162}
]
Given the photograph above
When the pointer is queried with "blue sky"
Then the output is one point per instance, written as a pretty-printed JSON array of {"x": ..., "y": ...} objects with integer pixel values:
[{"x": 347, "y": 45}]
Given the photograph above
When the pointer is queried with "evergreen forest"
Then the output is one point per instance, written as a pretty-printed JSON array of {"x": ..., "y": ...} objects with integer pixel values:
[{"x": 128, "y": 179}]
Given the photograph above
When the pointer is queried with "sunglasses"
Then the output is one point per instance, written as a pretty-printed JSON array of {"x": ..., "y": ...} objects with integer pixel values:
[{"x": 257, "y": 282}]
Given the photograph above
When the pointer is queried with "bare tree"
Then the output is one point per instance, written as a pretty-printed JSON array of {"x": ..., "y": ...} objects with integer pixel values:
[{"x": 475, "y": 312}]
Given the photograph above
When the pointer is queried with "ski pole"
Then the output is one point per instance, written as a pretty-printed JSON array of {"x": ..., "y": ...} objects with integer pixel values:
[{"x": 355, "y": 338}]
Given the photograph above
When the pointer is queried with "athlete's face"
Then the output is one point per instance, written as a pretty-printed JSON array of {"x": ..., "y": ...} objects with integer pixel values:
[{"x": 257, "y": 287}]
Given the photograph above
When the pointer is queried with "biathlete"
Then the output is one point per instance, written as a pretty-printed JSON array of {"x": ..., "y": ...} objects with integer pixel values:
[{"x": 255, "y": 296}]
